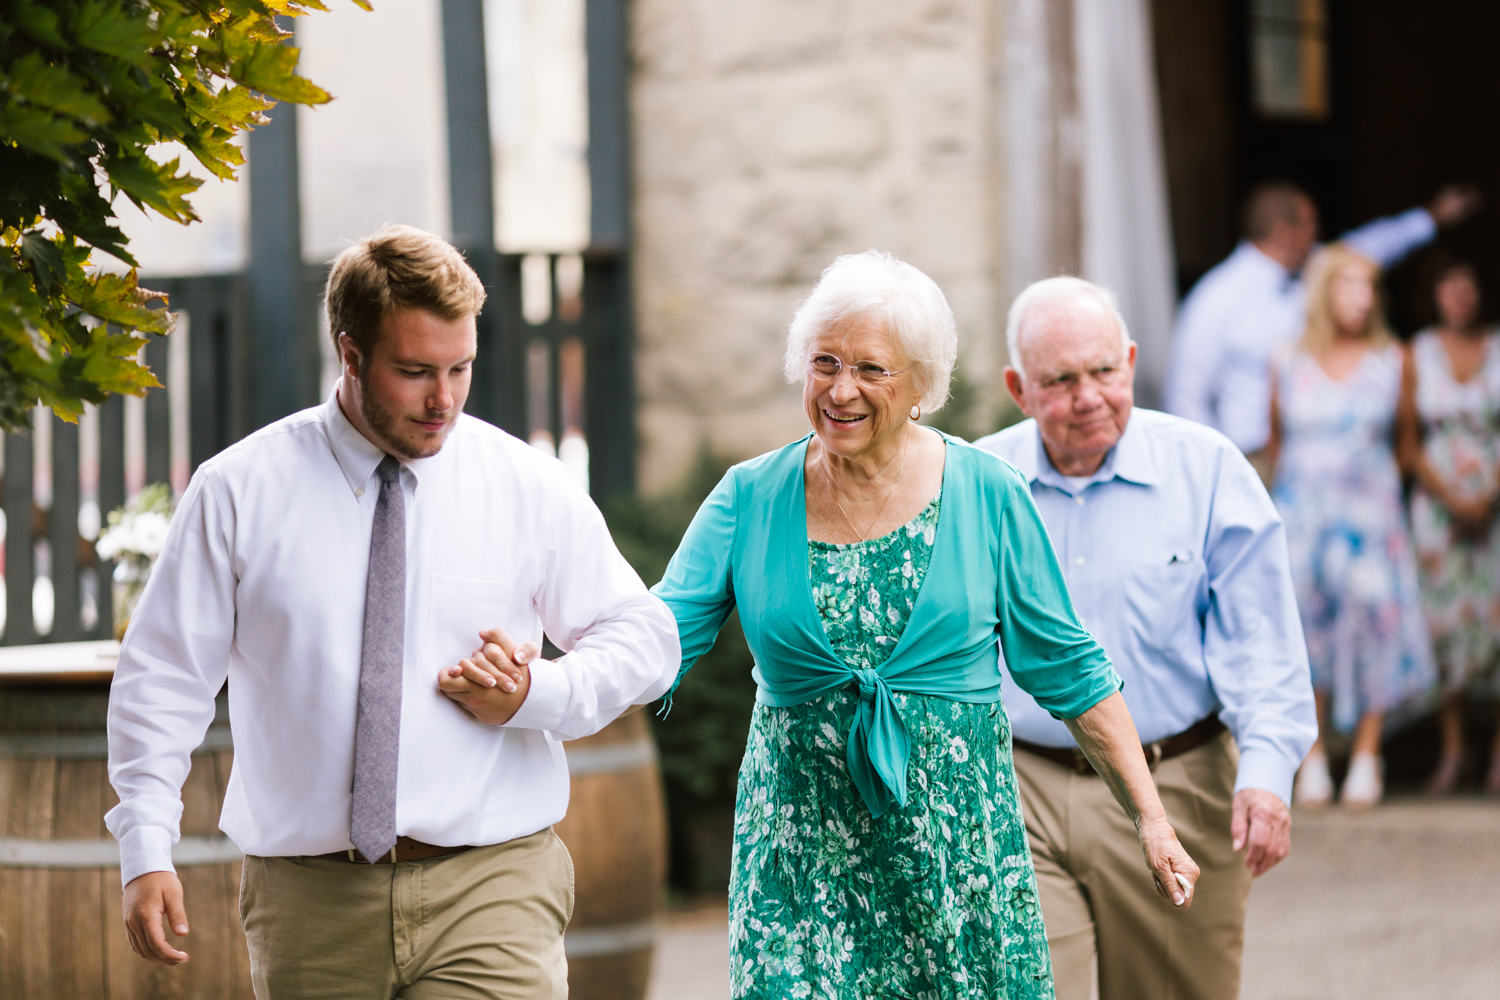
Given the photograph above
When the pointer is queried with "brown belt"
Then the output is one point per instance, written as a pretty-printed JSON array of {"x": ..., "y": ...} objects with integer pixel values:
[
  {"x": 1191, "y": 738},
  {"x": 406, "y": 849}
]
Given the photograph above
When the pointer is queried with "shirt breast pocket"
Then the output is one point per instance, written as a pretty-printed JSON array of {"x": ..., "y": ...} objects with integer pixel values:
[
  {"x": 460, "y": 608},
  {"x": 1163, "y": 601}
]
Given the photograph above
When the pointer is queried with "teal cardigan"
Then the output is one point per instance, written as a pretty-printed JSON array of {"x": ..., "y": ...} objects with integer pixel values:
[{"x": 993, "y": 575}]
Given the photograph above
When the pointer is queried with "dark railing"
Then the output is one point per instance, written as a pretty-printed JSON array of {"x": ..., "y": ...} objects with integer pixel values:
[{"x": 568, "y": 376}]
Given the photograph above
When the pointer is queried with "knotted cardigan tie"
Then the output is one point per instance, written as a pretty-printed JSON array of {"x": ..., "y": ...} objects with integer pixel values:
[{"x": 993, "y": 576}]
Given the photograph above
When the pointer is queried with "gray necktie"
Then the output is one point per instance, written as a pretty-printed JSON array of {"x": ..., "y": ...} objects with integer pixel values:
[{"x": 377, "y": 727}]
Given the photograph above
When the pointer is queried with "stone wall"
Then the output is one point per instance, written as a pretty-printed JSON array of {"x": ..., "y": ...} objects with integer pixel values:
[{"x": 770, "y": 136}]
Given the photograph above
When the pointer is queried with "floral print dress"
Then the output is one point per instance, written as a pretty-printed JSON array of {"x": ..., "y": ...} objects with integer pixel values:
[
  {"x": 1339, "y": 492},
  {"x": 1460, "y": 576},
  {"x": 932, "y": 901}
]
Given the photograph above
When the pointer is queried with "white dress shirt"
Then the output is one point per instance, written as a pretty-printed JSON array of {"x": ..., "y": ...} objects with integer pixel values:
[
  {"x": 262, "y": 582},
  {"x": 1238, "y": 315},
  {"x": 1177, "y": 563}
]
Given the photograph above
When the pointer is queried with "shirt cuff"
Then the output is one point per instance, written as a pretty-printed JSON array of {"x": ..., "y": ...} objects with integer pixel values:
[
  {"x": 145, "y": 849},
  {"x": 546, "y": 703},
  {"x": 1268, "y": 770}
]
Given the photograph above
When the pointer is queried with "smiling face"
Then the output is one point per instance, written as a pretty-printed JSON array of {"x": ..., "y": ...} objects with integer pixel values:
[
  {"x": 1079, "y": 382},
  {"x": 408, "y": 393},
  {"x": 851, "y": 417},
  {"x": 1351, "y": 297}
]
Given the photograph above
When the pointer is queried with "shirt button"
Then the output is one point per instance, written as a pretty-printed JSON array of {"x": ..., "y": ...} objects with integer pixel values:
[
  {"x": 360, "y": 492},
  {"x": 1078, "y": 561},
  {"x": 1078, "y": 500},
  {"x": 1083, "y": 622}
]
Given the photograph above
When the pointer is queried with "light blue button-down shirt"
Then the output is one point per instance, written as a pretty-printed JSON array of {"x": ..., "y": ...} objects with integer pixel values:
[
  {"x": 1232, "y": 322},
  {"x": 1177, "y": 563}
]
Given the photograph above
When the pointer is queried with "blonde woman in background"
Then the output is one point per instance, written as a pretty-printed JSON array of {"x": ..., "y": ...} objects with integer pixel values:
[
  {"x": 1455, "y": 460},
  {"x": 1338, "y": 396}
]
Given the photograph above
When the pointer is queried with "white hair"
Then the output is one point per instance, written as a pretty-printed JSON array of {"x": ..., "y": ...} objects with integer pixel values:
[
  {"x": 877, "y": 286},
  {"x": 1052, "y": 290}
]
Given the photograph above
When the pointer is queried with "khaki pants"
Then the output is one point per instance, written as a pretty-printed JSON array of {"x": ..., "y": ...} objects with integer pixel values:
[
  {"x": 487, "y": 923},
  {"x": 1097, "y": 895}
]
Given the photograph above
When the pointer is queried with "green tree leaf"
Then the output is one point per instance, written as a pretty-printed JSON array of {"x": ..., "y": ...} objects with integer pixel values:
[
  {"x": 35, "y": 82},
  {"x": 40, "y": 131},
  {"x": 87, "y": 89},
  {"x": 156, "y": 184}
]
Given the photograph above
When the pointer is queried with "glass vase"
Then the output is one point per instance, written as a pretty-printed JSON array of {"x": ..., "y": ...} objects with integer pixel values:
[{"x": 129, "y": 583}]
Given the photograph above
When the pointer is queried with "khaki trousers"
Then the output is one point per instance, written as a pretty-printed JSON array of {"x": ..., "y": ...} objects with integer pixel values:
[
  {"x": 1098, "y": 897},
  {"x": 487, "y": 923}
]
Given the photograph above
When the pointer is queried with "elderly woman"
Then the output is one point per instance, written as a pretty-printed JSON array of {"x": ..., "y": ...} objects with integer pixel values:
[{"x": 879, "y": 847}]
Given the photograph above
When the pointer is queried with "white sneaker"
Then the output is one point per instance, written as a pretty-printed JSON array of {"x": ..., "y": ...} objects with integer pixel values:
[
  {"x": 1364, "y": 784},
  {"x": 1314, "y": 783}
]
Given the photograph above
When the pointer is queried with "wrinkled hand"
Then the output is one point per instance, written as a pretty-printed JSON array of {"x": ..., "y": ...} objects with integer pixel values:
[
  {"x": 1455, "y": 203},
  {"x": 1262, "y": 828},
  {"x": 148, "y": 898},
  {"x": 491, "y": 683},
  {"x": 1167, "y": 859}
]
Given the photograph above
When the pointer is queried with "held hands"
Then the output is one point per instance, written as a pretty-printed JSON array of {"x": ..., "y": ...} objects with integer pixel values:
[
  {"x": 1173, "y": 871},
  {"x": 491, "y": 684},
  {"x": 1262, "y": 828},
  {"x": 148, "y": 898}
]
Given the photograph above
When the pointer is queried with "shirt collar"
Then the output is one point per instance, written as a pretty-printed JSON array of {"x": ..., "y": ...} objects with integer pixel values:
[
  {"x": 356, "y": 454},
  {"x": 1130, "y": 459}
]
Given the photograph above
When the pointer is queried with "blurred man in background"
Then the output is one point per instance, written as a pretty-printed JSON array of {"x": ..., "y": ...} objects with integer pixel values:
[{"x": 1241, "y": 311}]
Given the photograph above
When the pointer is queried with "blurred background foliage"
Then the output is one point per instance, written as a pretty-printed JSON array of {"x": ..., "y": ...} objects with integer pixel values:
[{"x": 89, "y": 89}]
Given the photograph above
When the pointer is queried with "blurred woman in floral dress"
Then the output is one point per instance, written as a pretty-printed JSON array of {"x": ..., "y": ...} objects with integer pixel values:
[
  {"x": 1455, "y": 459},
  {"x": 1334, "y": 412}
]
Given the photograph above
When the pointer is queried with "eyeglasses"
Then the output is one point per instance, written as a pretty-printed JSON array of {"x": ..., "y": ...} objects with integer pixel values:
[{"x": 827, "y": 367}]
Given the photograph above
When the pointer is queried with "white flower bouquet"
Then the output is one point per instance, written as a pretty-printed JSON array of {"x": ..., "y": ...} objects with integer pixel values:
[{"x": 134, "y": 539}]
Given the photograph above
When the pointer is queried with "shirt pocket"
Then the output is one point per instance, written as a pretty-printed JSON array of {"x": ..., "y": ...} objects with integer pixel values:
[
  {"x": 1162, "y": 597},
  {"x": 459, "y": 608}
]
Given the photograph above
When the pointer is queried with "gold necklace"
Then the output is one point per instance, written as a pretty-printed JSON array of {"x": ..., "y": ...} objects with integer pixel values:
[{"x": 833, "y": 490}]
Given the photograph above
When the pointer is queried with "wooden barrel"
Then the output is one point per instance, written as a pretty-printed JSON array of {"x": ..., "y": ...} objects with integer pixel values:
[
  {"x": 61, "y": 933},
  {"x": 616, "y": 830}
]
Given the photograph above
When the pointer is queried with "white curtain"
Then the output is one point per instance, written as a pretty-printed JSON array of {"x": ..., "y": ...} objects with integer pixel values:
[{"x": 1127, "y": 237}]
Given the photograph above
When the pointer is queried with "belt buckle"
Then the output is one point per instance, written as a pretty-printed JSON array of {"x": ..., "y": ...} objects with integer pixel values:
[
  {"x": 353, "y": 856},
  {"x": 1081, "y": 763}
]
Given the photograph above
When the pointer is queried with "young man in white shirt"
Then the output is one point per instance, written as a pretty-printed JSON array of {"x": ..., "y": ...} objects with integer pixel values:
[{"x": 393, "y": 786}]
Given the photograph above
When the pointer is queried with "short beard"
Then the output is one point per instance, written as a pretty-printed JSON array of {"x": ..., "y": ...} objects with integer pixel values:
[{"x": 387, "y": 425}]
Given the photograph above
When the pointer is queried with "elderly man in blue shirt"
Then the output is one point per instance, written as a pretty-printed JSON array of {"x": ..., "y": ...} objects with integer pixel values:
[{"x": 1177, "y": 563}]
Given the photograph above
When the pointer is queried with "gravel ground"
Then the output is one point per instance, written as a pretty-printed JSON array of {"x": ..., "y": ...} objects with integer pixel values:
[{"x": 1397, "y": 903}]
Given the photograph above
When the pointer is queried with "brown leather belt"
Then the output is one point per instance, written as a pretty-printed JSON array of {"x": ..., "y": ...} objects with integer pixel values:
[
  {"x": 1191, "y": 738},
  {"x": 406, "y": 849}
]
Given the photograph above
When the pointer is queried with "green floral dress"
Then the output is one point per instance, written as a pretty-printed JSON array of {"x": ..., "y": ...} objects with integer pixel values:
[{"x": 932, "y": 901}]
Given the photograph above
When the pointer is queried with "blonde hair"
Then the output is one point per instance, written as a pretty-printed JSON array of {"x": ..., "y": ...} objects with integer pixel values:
[
  {"x": 1319, "y": 333},
  {"x": 398, "y": 267}
]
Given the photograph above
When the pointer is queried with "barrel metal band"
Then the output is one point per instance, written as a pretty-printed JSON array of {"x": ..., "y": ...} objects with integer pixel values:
[
  {"x": 18, "y": 853},
  {"x": 89, "y": 746},
  {"x": 609, "y": 759},
  {"x": 612, "y": 939}
]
